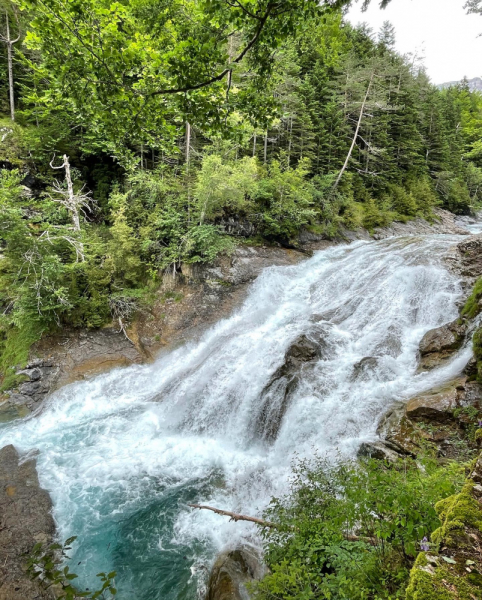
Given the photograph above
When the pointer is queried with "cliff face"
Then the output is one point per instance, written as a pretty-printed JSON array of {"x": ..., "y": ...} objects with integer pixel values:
[
  {"x": 475, "y": 84},
  {"x": 25, "y": 520}
]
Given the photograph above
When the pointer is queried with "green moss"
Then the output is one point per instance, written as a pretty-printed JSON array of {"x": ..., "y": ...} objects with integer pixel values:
[
  {"x": 471, "y": 308},
  {"x": 477, "y": 348},
  {"x": 456, "y": 513},
  {"x": 424, "y": 585},
  {"x": 14, "y": 351},
  {"x": 430, "y": 581},
  {"x": 12, "y": 380}
]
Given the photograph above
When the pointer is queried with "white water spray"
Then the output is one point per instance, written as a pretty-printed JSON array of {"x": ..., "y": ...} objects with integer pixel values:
[{"x": 122, "y": 454}]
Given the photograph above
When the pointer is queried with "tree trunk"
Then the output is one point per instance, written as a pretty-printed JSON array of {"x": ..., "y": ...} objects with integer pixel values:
[
  {"x": 188, "y": 157},
  {"x": 362, "y": 110},
  {"x": 74, "y": 212},
  {"x": 290, "y": 141},
  {"x": 266, "y": 147},
  {"x": 10, "y": 71},
  {"x": 254, "y": 145}
]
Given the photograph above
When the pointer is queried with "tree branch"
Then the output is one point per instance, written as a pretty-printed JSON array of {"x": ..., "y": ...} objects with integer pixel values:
[
  {"x": 234, "y": 516},
  {"x": 222, "y": 75}
]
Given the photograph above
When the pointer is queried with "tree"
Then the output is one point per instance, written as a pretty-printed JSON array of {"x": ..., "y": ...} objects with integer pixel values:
[
  {"x": 136, "y": 71},
  {"x": 386, "y": 36},
  {"x": 9, "y": 41}
]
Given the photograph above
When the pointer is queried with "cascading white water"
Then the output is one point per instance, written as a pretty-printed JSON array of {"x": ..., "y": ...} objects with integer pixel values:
[{"x": 122, "y": 454}]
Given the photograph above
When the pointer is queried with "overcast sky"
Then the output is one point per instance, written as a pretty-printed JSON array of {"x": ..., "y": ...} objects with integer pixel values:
[{"x": 438, "y": 29}]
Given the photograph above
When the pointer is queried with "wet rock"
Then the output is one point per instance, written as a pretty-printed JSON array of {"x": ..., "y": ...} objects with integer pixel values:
[
  {"x": 364, "y": 368},
  {"x": 439, "y": 344},
  {"x": 472, "y": 395},
  {"x": 25, "y": 519},
  {"x": 378, "y": 450},
  {"x": 397, "y": 430},
  {"x": 471, "y": 368},
  {"x": 232, "y": 571},
  {"x": 470, "y": 257},
  {"x": 40, "y": 375},
  {"x": 275, "y": 398},
  {"x": 439, "y": 403},
  {"x": 446, "y": 337}
]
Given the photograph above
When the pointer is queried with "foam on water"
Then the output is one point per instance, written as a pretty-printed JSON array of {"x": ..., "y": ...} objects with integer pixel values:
[{"x": 122, "y": 454}]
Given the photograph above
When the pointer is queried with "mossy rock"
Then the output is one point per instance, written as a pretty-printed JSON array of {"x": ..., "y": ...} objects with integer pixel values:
[
  {"x": 430, "y": 580},
  {"x": 457, "y": 513}
]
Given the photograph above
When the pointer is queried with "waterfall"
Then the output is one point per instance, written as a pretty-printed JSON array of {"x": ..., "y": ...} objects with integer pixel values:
[{"x": 122, "y": 454}]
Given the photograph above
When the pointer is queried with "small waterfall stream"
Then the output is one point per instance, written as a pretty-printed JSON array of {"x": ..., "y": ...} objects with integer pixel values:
[{"x": 122, "y": 454}]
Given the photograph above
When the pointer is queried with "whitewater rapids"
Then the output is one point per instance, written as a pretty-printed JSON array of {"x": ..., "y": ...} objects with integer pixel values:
[{"x": 122, "y": 454}]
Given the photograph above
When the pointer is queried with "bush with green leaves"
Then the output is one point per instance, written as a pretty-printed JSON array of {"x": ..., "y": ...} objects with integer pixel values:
[
  {"x": 45, "y": 565},
  {"x": 351, "y": 530}
]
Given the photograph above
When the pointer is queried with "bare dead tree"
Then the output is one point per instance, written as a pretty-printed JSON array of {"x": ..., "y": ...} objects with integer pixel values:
[
  {"x": 360, "y": 118},
  {"x": 74, "y": 203},
  {"x": 122, "y": 308},
  {"x": 10, "y": 42}
]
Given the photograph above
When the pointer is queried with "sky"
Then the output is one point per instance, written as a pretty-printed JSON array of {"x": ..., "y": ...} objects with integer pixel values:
[{"x": 440, "y": 30}]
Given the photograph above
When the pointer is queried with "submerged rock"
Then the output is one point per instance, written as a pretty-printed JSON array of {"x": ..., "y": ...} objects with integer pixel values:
[
  {"x": 439, "y": 344},
  {"x": 232, "y": 571},
  {"x": 364, "y": 368},
  {"x": 25, "y": 519}
]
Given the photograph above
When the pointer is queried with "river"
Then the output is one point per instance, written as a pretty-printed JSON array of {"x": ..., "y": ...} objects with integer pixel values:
[{"x": 122, "y": 454}]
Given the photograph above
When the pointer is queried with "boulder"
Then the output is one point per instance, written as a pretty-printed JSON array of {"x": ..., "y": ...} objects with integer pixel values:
[
  {"x": 439, "y": 344},
  {"x": 470, "y": 256},
  {"x": 399, "y": 432},
  {"x": 232, "y": 571},
  {"x": 304, "y": 351},
  {"x": 438, "y": 404},
  {"x": 25, "y": 519},
  {"x": 378, "y": 450},
  {"x": 364, "y": 368},
  {"x": 40, "y": 377}
]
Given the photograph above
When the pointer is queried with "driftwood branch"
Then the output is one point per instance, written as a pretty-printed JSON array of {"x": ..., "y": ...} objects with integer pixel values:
[{"x": 234, "y": 516}]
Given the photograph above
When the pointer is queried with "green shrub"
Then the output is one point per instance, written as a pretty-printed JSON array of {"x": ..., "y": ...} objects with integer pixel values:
[
  {"x": 352, "y": 530},
  {"x": 472, "y": 306}
]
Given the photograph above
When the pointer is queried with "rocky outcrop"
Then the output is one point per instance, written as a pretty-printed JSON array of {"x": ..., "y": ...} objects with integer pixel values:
[
  {"x": 445, "y": 223},
  {"x": 438, "y": 404},
  {"x": 399, "y": 432},
  {"x": 275, "y": 398},
  {"x": 40, "y": 376},
  {"x": 438, "y": 345},
  {"x": 25, "y": 520},
  {"x": 232, "y": 571},
  {"x": 440, "y": 418},
  {"x": 470, "y": 257}
]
